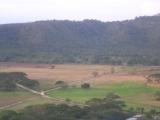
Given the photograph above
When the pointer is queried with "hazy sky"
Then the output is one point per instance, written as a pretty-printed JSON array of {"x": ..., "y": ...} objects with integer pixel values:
[{"x": 105, "y": 10}]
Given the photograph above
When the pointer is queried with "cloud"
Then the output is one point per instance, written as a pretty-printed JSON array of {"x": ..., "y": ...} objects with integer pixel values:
[
  {"x": 150, "y": 7},
  {"x": 106, "y": 10}
]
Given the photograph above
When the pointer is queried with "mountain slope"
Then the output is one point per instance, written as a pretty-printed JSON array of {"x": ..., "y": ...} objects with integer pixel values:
[{"x": 89, "y": 41}]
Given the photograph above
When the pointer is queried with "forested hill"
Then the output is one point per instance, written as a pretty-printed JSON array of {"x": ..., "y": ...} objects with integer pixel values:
[{"x": 133, "y": 41}]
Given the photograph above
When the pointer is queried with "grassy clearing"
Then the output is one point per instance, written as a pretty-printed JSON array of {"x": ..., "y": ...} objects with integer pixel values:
[
  {"x": 36, "y": 100},
  {"x": 7, "y": 98},
  {"x": 19, "y": 99},
  {"x": 134, "y": 94},
  {"x": 14, "y": 94}
]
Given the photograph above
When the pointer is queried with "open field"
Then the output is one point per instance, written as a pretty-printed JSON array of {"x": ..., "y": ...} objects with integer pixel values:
[
  {"x": 127, "y": 81},
  {"x": 7, "y": 98},
  {"x": 134, "y": 94},
  {"x": 76, "y": 73}
]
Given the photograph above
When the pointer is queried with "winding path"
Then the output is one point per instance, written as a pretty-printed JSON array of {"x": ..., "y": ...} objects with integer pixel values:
[{"x": 42, "y": 93}]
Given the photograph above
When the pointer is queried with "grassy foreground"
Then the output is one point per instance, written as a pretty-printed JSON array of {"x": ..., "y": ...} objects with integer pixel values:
[{"x": 134, "y": 94}]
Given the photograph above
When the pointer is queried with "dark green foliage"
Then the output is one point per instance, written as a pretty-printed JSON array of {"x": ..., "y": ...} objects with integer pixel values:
[
  {"x": 111, "y": 101},
  {"x": 110, "y": 108},
  {"x": 85, "y": 86},
  {"x": 7, "y": 85},
  {"x": 8, "y": 81},
  {"x": 8, "y": 115},
  {"x": 61, "y": 84},
  {"x": 29, "y": 83},
  {"x": 89, "y": 41}
]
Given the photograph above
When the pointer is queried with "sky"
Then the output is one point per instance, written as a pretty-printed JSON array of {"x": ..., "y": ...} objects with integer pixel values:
[{"x": 18, "y": 11}]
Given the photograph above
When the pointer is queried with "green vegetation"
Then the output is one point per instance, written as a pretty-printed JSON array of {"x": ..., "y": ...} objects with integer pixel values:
[
  {"x": 61, "y": 84},
  {"x": 137, "y": 95},
  {"x": 8, "y": 98},
  {"x": 108, "y": 108},
  {"x": 133, "y": 93},
  {"x": 8, "y": 81},
  {"x": 85, "y": 86},
  {"x": 18, "y": 93},
  {"x": 88, "y": 41}
]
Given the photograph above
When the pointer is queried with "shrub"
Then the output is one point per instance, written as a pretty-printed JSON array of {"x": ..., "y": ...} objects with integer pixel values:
[
  {"x": 68, "y": 100},
  {"x": 85, "y": 86},
  {"x": 61, "y": 84}
]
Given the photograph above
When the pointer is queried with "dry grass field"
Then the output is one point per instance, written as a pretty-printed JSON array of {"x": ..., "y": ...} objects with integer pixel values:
[{"x": 76, "y": 73}]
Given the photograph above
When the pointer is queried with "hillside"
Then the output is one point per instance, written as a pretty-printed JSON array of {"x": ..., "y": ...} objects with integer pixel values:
[{"x": 133, "y": 41}]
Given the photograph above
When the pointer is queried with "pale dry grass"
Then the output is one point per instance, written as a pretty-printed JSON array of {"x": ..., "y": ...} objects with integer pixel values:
[
  {"x": 61, "y": 72},
  {"x": 80, "y": 73},
  {"x": 118, "y": 78}
]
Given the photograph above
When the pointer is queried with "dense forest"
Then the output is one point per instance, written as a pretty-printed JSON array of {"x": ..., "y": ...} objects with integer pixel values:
[{"x": 90, "y": 41}]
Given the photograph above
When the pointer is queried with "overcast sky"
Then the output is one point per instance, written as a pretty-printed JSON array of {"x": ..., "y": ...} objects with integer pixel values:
[{"x": 12, "y": 11}]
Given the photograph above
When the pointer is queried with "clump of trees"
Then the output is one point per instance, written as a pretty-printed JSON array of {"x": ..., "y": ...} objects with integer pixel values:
[
  {"x": 85, "y": 86},
  {"x": 61, "y": 84},
  {"x": 7, "y": 85},
  {"x": 108, "y": 108},
  {"x": 8, "y": 81}
]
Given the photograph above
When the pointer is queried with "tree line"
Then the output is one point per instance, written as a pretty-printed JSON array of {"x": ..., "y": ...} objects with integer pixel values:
[
  {"x": 89, "y": 41},
  {"x": 8, "y": 81}
]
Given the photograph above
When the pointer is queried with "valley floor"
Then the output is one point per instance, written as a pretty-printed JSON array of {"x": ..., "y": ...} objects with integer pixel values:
[{"x": 127, "y": 81}]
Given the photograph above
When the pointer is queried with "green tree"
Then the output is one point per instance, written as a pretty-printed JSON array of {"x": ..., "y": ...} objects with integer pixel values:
[{"x": 85, "y": 86}]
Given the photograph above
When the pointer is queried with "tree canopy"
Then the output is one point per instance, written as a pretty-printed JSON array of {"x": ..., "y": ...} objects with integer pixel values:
[
  {"x": 89, "y": 41},
  {"x": 8, "y": 81}
]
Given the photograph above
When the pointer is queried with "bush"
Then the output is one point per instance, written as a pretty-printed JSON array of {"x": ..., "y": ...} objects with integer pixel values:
[
  {"x": 62, "y": 84},
  {"x": 59, "y": 82},
  {"x": 85, "y": 86},
  {"x": 68, "y": 100}
]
